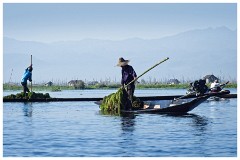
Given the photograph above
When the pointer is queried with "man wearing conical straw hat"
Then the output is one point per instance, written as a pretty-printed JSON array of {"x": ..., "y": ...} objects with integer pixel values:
[{"x": 128, "y": 74}]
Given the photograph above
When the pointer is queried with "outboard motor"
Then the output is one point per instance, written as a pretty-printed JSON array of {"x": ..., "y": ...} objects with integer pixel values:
[{"x": 199, "y": 87}]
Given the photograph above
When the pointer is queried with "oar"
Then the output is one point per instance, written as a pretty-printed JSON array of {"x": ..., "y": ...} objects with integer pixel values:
[
  {"x": 146, "y": 72},
  {"x": 31, "y": 81},
  {"x": 223, "y": 85}
]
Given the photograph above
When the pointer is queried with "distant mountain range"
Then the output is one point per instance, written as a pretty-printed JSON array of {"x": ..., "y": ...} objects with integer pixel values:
[{"x": 193, "y": 54}]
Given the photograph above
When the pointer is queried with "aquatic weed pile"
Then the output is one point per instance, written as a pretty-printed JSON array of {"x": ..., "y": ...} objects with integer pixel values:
[
  {"x": 115, "y": 101},
  {"x": 30, "y": 95}
]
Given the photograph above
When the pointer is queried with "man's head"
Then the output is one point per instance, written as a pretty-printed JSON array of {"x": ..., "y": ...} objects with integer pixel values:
[{"x": 122, "y": 62}]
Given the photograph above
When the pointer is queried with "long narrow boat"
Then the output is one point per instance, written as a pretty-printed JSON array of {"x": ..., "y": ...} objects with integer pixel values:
[
  {"x": 180, "y": 105},
  {"x": 223, "y": 94},
  {"x": 170, "y": 106},
  {"x": 52, "y": 99}
]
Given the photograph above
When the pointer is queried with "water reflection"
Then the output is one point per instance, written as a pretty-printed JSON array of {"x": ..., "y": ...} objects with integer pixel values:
[
  {"x": 128, "y": 122},
  {"x": 127, "y": 141},
  {"x": 215, "y": 100},
  {"x": 27, "y": 109},
  {"x": 198, "y": 122}
]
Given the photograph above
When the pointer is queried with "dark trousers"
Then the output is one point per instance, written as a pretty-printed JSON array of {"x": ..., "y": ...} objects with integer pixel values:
[
  {"x": 25, "y": 88},
  {"x": 130, "y": 91}
]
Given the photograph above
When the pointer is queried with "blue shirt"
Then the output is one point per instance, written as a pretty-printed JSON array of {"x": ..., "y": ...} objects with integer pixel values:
[
  {"x": 128, "y": 74},
  {"x": 26, "y": 76}
]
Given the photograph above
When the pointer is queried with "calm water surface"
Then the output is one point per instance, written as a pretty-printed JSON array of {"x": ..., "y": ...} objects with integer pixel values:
[{"x": 78, "y": 129}]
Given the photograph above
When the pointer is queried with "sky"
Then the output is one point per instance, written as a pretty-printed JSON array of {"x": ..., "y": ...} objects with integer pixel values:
[{"x": 49, "y": 22}]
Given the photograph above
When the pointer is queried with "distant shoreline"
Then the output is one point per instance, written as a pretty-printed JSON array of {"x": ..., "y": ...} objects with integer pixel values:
[{"x": 112, "y": 86}]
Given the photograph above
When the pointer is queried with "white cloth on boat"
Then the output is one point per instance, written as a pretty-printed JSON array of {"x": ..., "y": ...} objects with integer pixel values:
[{"x": 215, "y": 85}]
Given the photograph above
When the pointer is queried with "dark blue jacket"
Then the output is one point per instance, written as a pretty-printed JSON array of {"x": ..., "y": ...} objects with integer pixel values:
[
  {"x": 26, "y": 76},
  {"x": 128, "y": 74}
]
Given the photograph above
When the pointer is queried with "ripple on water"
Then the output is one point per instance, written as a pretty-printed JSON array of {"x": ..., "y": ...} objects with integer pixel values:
[{"x": 77, "y": 129}]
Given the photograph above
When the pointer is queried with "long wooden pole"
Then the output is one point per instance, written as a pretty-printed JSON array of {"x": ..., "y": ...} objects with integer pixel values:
[
  {"x": 31, "y": 81},
  {"x": 146, "y": 71}
]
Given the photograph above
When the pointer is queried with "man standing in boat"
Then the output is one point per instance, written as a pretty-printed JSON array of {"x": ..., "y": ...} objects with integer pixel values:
[
  {"x": 215, "y": 86},
  {"x": 26, "y": 76},
  {"x": 128, "y": 74}
]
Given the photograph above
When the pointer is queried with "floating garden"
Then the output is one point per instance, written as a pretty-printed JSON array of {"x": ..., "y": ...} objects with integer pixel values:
[{"x": 29, "y": 95}]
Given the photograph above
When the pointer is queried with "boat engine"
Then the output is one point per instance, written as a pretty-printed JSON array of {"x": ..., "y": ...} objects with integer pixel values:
[{"x": 199, "y": 87}]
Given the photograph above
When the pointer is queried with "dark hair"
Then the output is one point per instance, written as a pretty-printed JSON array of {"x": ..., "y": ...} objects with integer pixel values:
[{"x": 30, "y": 69}]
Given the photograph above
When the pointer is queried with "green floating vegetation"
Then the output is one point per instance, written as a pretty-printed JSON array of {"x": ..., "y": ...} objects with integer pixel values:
[
  {"x": 56, "y": 89},
  {"x": 115, "y": 102},
  {"x": 30, "y": 95}
]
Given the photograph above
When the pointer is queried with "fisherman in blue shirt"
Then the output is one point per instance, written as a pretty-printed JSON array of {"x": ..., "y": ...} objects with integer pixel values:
[
  {"x": 26, "y": 76},
  {"x": 128, "y": 74}
]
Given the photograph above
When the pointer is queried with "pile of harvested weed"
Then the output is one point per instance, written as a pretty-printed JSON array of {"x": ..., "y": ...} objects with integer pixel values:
[
  {"x": 115, "y": 101},
  {"x": 29, "y": 95},
  {"x": 119, "y": 101}
]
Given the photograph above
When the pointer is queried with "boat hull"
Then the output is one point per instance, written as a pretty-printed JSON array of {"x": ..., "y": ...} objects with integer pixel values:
[
  {"x": 224, "y": 94},
  {"x": 178, "y": 108}
]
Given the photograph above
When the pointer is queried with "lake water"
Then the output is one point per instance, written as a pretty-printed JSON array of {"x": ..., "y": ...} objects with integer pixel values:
[{"x": 78, "y": 129}]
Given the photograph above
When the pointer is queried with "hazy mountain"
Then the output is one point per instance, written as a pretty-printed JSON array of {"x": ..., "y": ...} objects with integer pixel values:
[{"x": 192, "y": 54}]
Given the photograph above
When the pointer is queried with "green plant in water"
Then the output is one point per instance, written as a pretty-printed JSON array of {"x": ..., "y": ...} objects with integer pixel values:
[
  {"x": 30, "y": 95},
  {"x": 56, "y": 89},
  {"x": 115, "y": 101},
  {"x": 33, "y": 95}
]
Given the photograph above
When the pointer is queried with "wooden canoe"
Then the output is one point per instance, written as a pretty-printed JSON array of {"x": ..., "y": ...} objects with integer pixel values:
[
  {"x": 179, "y": 106},
  {"x": 224, "y": 94},
  {"x": 170, "y": 106}
]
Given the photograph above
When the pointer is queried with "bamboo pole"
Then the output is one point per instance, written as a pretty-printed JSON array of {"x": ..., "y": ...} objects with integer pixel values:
[{"x": 146, "y": 71}]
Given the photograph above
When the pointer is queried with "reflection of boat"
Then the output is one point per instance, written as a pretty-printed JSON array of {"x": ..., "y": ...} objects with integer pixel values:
[{"x": 214, "y": 98}]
